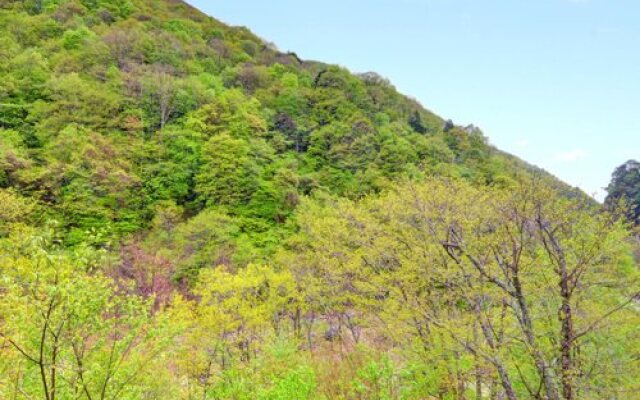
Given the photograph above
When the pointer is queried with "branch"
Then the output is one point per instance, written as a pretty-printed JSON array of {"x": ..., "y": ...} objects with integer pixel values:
[
  {"x": 15, "y": 345},
  {"x": 595, "y": 323}
]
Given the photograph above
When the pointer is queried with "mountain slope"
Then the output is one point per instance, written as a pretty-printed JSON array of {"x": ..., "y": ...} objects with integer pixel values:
[
  {"x": 188, "y": 213},
  {"x": 118, "y": 115}
]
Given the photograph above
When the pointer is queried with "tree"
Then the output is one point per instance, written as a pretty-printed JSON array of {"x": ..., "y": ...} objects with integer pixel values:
[
  {"x": 205, "y": 241},
  {"x": 513, "y": 280},
  {"x": 287, "y": 126},
  {"x": 228, "y": 174},
  {"x": 235, "y": 315},
  {"x": 75, "y": 99},
  {"x": 416, "y": 122},
  {"x": 625, "y": 186},
  {"x": 161, "y": 88},
  {"x": 231, "y": 112},
  {"x": 93, "y": 182},
  {"x": 124, "y": 45},
  {"x": 15, "y": 210},
  {"x": 66, "y": 330},
  {"x": 348, "y": 146}
]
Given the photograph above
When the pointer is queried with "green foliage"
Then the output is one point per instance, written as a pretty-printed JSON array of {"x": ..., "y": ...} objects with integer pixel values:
[
  {"x": 66, "y": 330},
  {"x": 283, "y": 375},
  {"x": 235, "y": 222},
  {"x": 15, "y": 210},
  {"x": 74, "y": 39},
  {"x": 206, "y": 240},
  {"x": 228, "y": 174},
  {"x": 625, "y": 188},
  {"x": 74, "y": 100},
  {"x": 436, "y": 266},
  {"x": 376, "y": 380},
  {"x": 116, "y": 106}
]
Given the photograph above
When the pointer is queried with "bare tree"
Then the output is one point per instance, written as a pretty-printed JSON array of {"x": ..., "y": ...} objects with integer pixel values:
[{"x": 160, "y": 86}]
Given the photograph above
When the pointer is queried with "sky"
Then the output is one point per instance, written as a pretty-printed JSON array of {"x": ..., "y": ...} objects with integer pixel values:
[{"x": 555, "y": 82}]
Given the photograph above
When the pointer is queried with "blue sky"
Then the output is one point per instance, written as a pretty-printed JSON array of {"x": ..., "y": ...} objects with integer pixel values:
[{"x": 555, "y": 82}]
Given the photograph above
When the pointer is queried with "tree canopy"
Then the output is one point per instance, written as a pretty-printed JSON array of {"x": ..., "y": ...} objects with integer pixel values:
[
  {"x": 187, "y": 212},
  {"x": 625, "y": 187}
]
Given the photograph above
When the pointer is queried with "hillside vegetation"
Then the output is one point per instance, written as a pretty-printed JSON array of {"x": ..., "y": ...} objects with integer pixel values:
[
  {"x": 624, "y": 191},
  {"x": 189, "y": 213}
]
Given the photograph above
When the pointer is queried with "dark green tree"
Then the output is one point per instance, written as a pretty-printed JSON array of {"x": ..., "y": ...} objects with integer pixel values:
[
  {"x": 416, "y": 122},
  {"x": 625, "y": 186}
]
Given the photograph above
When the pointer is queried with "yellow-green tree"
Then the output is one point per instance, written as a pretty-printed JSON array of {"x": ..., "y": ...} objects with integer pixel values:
[
  {"x": 229, "y": 174},
  {"x": 235, "y": 315},
  {"x": 510, "y": 290},
  {"x": 66, "y": 332}
]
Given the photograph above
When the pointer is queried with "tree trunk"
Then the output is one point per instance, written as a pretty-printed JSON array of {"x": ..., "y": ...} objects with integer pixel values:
[
  {"x": 567, "y": 337},
  {"x": 527, "y": 327}
]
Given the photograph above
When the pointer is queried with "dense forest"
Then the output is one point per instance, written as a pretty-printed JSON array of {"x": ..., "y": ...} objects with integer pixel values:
[{"x": 186, "y": 212}]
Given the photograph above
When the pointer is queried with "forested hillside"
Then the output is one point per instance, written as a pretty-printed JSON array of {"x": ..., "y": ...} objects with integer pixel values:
[{"x": 188, "y": 212}]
